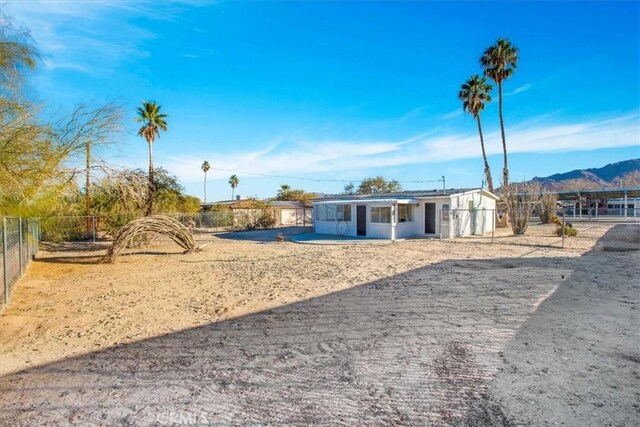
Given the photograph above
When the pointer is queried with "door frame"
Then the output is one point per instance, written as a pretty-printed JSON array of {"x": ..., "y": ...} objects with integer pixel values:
[
  {"x": 363, "y": 209},
  {"x": 435, "y": 218}
]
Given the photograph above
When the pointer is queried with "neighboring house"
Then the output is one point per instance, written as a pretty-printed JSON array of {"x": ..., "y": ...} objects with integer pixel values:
[
  {"x": 444, "y": 214},
  {"x": 292, "y": 213},
  {"x": 285, "y": 213}
]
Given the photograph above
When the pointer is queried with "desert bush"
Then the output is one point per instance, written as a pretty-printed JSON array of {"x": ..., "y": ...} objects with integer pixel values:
[
  {"x": 547, "y": 207},
  {"x": 520, "y": 199},
  {"x": 569, "y": 230},
  {"x": 266, "y": 220},
  {"x": 255, "y": 214}
]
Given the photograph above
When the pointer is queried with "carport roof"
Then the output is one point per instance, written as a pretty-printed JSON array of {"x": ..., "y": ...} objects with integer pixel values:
[{"x": 602, "y": 193}]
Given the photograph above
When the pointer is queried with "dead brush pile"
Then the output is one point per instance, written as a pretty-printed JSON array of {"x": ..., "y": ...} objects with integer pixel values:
[{"x": 140, "y": 229}]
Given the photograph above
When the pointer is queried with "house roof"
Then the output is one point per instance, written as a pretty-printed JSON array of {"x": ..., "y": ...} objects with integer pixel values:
[
  {"x": 409, "y": 196},
  {"x": 283, "y": 204}
]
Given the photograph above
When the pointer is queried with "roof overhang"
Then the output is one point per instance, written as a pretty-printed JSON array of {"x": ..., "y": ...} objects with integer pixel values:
[{"x": 380, "y": 202}]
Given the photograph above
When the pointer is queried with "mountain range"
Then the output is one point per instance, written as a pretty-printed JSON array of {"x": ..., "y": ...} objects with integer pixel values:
[{"x": 614, "y": 175}]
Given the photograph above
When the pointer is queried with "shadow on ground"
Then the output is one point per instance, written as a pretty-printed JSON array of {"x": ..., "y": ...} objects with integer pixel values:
[
  {"x": 404, "y": 350},
  {"x": 262, "y": 236}
]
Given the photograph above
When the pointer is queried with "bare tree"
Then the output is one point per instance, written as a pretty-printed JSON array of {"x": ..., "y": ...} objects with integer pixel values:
[
  {"x": 548, "y": 207},
  {"x": 520, "y": 198}
]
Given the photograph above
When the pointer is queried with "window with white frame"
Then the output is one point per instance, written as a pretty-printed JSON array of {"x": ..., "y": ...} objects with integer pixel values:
[
  {"x": 405, "y": 213},
  {"x": 331, "y": 212},
  {"x": 343, "y": 213},
  {"x": 381, "y": 214}
]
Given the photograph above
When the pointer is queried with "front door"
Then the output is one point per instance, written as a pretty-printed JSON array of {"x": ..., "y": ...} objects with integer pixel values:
[
  {"x": 361, "y": 220},
  {"x": 429, "y": 218}
]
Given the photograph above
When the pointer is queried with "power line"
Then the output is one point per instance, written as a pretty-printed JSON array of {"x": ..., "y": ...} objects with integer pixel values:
[{"x": 316, "y": 179}]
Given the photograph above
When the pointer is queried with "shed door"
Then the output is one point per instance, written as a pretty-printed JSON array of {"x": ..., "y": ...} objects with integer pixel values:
[
  {"x": 362, "y": 220},
  {"x": 429, "y": 218}
]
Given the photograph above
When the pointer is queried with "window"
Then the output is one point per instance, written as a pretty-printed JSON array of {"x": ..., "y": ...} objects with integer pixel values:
[
  {"x": 333, "y": 212},
  {"x": 445, "y": 212},
  {"x": 405, "y": 213},
  {"x": 381, "y": 215},
  {"x": 343, "y": 213}
]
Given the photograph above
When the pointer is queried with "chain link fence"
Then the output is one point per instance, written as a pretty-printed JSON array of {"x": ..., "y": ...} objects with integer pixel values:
[
  {"x": 92, "y": 228},
  {"x": 20, "y": 243},
  {"x": 494, "y": 226}
]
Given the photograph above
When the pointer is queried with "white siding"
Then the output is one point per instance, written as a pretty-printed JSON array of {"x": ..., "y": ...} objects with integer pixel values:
[
  {"x": 472, "y": 214},
  {"x": 459, "y": 224}
]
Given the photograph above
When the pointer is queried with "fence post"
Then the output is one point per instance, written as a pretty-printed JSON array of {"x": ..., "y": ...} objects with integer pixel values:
[
  {"x": 93, "y": 227},
  {"x": 493, "y": 223},
  {"x": 5, "y": 261},
  {"x": 564, "y": 214},
  {"x": 20, "y": 246}
]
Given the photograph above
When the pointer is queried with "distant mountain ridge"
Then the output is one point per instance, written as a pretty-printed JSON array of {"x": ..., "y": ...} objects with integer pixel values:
[{"x": 620, "y": 174}]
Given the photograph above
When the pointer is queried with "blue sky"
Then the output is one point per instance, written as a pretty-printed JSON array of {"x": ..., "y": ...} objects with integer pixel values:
[{"x": 345, "y": 90}]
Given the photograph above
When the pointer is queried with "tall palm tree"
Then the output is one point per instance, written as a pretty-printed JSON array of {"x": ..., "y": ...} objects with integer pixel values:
[
  {"x": 205, "y": 168},
  {"x": 153, "y": 121},
  {"x": 283, "y": 192},
  {"x": 499, "y": 62},
  {"x": 233, "y": 181},
  {"x": 474, "y": 93}
]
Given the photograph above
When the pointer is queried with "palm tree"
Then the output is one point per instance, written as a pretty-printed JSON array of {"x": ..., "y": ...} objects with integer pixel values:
[
  {"x": 283, "y": 192},
  {"x": 474, "y": 93},
  {"x": 205, "y": 168},
  {"x": 499, "y": 62},
  {"x": 153, "y": 122},
  {"x": 233, "y": 181}
]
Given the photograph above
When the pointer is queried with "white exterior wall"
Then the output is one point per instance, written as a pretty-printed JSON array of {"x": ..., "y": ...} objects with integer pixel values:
[
  {"x": 472, "y": 214},
  {"x": 331, "y": 227},
  {"x": 419, "y": 223},
  {"x": 459, "y": 224}
]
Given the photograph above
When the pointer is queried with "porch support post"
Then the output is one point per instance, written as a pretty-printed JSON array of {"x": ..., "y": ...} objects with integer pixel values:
[
  {"x": 394, "y": 218},
  {"x": 625, "y": 203},
  {"x": 580, "y": 204}
]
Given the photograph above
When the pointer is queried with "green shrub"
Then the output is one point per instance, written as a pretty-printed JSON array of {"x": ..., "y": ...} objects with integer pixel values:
[{"x": 569, "y": 230}]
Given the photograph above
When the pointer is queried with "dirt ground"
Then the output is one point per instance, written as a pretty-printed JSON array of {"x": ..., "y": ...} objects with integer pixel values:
[{"x": 250, "y": 331}]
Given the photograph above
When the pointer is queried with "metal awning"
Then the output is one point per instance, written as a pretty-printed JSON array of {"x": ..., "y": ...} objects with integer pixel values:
[
  {"x": 603, "y": 193},
  {"x": 385, "y": 201}
]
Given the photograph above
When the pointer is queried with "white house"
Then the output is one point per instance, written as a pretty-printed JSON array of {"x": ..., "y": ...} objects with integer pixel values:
[{"x": 444, "y": 214}]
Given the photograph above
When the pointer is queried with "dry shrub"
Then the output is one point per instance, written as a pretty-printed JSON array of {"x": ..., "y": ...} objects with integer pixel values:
[
  {"x": 548, "y": 207},
  {"x": 140, "y": 229},
  {"x": 520, "y": 199}
]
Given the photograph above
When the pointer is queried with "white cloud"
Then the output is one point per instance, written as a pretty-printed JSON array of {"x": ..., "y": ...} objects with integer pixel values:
[
  {"x": 300, "y": 156},
  {"x": 518, "y": 90},
  {"x": 452, "y": 115},
  {"x": 91, "y": 37}
]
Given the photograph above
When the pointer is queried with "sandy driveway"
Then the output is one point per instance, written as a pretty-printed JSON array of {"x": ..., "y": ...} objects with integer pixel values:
[{"x": 250, "y": 331}]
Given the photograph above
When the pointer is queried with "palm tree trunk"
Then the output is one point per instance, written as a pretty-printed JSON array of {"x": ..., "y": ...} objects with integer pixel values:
[
  {"x": 487, "y": 171},
  {"x": 505, "y": 169},
  {"x": 233, "y": 192},
  {"x": 205, "y": 187},
  {"x": 152, "y": 185}
]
